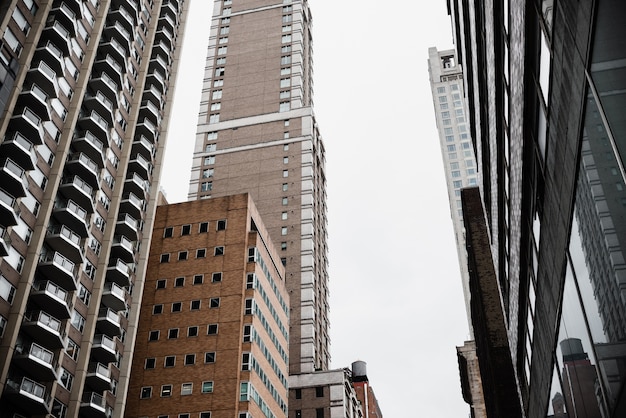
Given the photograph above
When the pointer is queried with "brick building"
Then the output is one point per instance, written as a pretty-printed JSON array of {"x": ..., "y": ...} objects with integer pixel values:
[{"x": 213, "y": 329}]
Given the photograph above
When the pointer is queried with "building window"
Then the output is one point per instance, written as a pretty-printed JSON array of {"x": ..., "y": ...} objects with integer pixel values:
[
  {"x": 157, "y": 309},
  {"x": 214, "y": 118},
  {"x": 286, "y": 39},
  {"x": 204, "y": 227},
  {"x": 219, "y": 250},
  {"x": 284, "y": 230},
  {"x": 198, "y": 279},
  {"x": 210, "y": 160},
  {"x": 285, "y": 82},
  {"x": 165, "y": 258},
  {"x": 186, "y": 389},
  {"x": 206, "y": 186},
  {"x": 72, "y": 349},
  {"x": 298, "y": 393},
  {"x": 285, "y": 173},
  {"x": 168, "y": 232},
  {"x": 179, "y": 282},
  {"x": 285, "y": 94},
  {"x": 177, "y": 306},
  {"x": 153, "y": 336},
  {"x": 319, "y": 413},
  {"x": 249, "y": 307},
  {"x": 201, "y": 253},
  {"x": 166, "y": 391},
  {"x": 161, "y": 283},
  {"x": 219, "y": 71},
  {"x": 170, "y": 361},
  {"x": 283, "y": 246},
  {"x": 209, "y": 357},
  {"x": 245, "y": 361},
  {"x": 221, "y": 225},
  {"x": 7, "y": 290},
  {"x": 319, "y": 392},
  {"x": 212, "y": 329},
  {"x": 150, "y": 363},
  {"x": 216, "y": 106},
  {"x": 172, "y": 333},
  {"x": 190, "y": 359},
  {"x": 205, "y": 414},
  {"x": 192, "y": 332},
  {"x": 284, "y": 216},
  {"x": 182, "y": 255},
  {"x": 222, "y": 50},
  {"x": 195, "y": 305},
  {"x": 285, "y": 187},
  {"x": 78, "y": 321},
  {"x": 206, "y": 174},
  {"x": 146, "y": 392},
  {"x": 247, "y": 333},
  {"x": 214, "y": 303},
  {"x": 224, "y": 30},
  {"x": 216, "y": 277},
  {"x": 66, "y": 379},
  {"x": 207, "y": 386},
  {"x": 250, "y": 281},
  {"x": 285, "y": 201}
]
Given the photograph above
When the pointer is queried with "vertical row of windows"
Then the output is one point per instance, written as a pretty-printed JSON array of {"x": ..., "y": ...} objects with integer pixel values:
[{"x": 286, "y": 60}]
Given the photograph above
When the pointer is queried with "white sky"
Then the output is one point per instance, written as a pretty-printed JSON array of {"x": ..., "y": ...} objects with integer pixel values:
[{"x": 396, "y": 299}]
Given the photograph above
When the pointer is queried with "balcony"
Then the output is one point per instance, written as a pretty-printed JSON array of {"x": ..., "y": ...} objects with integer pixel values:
[
  {"x": 137, "y": 185},
  {"x": 157, "y": 62},
  {"x": 91, "y": 121},
  {"x": 164, "y": 34},
  {"x": 39, "y": 361},
  {"x": 128, "y": 226},
  {"x": 84, "y": 167},
  {"x": 56, "y": 300},
  {"x": 118, "y": 32},
  {"x": 127, "y": 18},
  {"x": 152, "y": 93},
  {"x": 71, "y": 214},
  {"x": 9, "y": 210},
  {"x": 91, "y": 146},
  {"x": 13, "y": 178},
  {"x": 104, "y": 349},
  {"x": 98, "y": 377},
  {"x": 127, "y": 4},
  {"x": 162, "y": 48},
  {"x": 114, "y": 48},
  {"x": 114, "y": 296},
  {"x": 151, "y": 111},
  {"x": 106, "y": 85},
  {"x": 5, "y": 241},
  {"x": 157, "y": 79},
  {"x": 109, "y": 322},
  {"x": 32, "y": 397},
  {"x": 36, "y": 99},
  {"x": 144, "y": 147},
  {"x": 58, "y": 35},
  {"x": 19, "y": 149},
  {"x": 140, "y": 165},
  {"x": 63, "y": 239},
  {"x": 44, "y": 328},
  {"x": 51, "y": 55},
  {"x": 101, "y": 105},
  {"x": 123, "y": 248},
  {"x": 93, "y": 405},
  {"x": 168, "y": 17},
  {"x": 132, "y": 205},
  {"x": 120, "y": 273},
  {"x": 29, "y": 125},
  {"x": 147, "y": 129},
  {"x": 76, "y": 189},
  {"x": 66, "y": 16},
  {"x": 113, "y": 68},
  {"x": 58, "y": 268}
]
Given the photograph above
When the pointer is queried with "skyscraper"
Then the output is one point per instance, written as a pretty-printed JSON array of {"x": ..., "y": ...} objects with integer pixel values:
[
  {"x": 257, "y": 134},
  {"x": 545, "y": 87},
  {"x": 84, "y": 96}
]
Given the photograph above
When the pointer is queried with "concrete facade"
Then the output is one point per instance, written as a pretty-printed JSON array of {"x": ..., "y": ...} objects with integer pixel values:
[
  {"x": 213, "y": 330},
  {"x": 84, "y": 89}
]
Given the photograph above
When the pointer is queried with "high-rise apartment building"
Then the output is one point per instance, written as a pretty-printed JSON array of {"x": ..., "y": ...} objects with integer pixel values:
[
  {"x": 459, "y": 163},
  {"x": 545, "y": 82},
  {"x": 257, "y": 134},
  {"x": 84, "y": 102},
  {"x": 213, "y": 332}
]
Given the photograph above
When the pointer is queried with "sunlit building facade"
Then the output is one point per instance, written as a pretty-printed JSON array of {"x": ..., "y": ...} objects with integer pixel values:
[
  {"x": 85, "y": 89},
  {"x": 544, "y": 82}
]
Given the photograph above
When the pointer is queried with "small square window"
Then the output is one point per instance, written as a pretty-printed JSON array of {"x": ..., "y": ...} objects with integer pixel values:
[
  {"x": 172, "y": 333},
  {"x": 195, "y": 305},
  {"x": 182, "y": 255},
  {"x": 285, "y": 173},
  {"x": 201, "y": 253},
  {"x": 168, "y": 232},
  {"x": 298, "y": 393},
  {"x": 153, "y": 336},
  {"x": 221, "y": 225},
  {"x": 205, "y": 415},
  {"x": 157, "y": 309},
  {"x": 207, "y": 386},
  {"x": 179, "y": 282},
  {"x": 185, "y": 230},
  {"x": 219, "y": 250},
  {"x": 284, "y": 216},
  {"x": 283, "y": 246},
  {"x": 204, "y": 227},
  {"x": 186, "y": 389},
  {"x": 183, "y": 415},
  {"x": 146, "y": 392},
  {"x": 166, "y": 391},
  {"x": 285, "y": 187},
  {"x": 216, "y": 277},
  {"x": 150, "y": 363},
  {"x": 284, "y": 230},
  {"x": 170, "y": 361},
  {"x": 192, "y": 331},
  {"x": 160, "y": 284},
  {"x": 177, "y": 307},
  {"x": 319, "y": 392},
  {"x": 214, "y": 302},
  {"x": 198, "y": 279},
  {"x": 165, "y": 258},
  {"x": 190, "y": 359},
  {"x": 209, "y": 357},
  {"x": 212, "y": 329}
]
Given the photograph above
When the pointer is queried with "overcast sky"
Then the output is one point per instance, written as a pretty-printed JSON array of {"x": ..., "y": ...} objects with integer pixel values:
[{"x": 396, "y": 299}]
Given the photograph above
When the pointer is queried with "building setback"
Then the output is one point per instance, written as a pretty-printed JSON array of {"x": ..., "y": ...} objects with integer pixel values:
[
  {"x": 213, "y": 330},
  {"x": 257, "y": 134},
  {"x": 545, "y": 87},
  {"x": 84, "y": 104}
]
